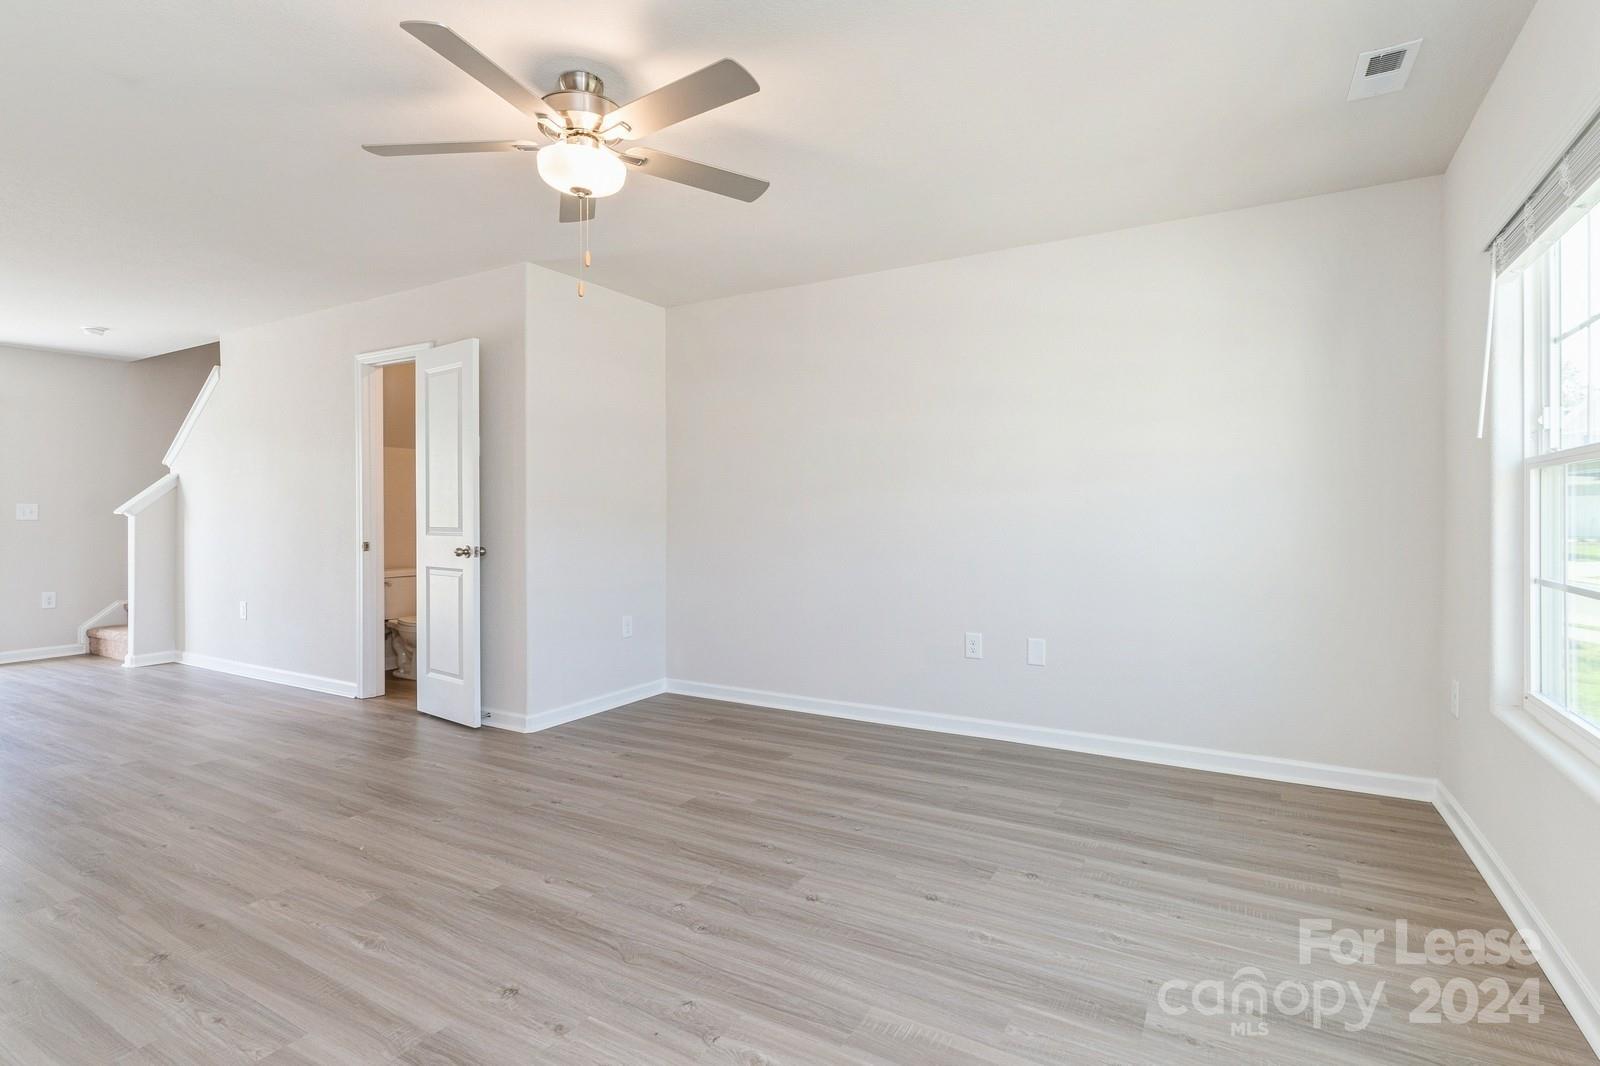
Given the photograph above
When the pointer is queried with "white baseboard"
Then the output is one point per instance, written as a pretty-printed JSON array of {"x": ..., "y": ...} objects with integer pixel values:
[
  {"x": 1565, "y": 977},
  {"x": 332, "y": 686},
  {"x": 533, "y": 723},
  {"x": 512, "y": 721},
  {"x": 1293, "y": 771},
  {"x": 152, "y": 658},
  {"x": 28, "y": 655}
]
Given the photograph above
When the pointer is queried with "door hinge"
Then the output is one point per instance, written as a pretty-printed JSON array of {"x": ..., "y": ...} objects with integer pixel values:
[{"x": 366, "y": 546}]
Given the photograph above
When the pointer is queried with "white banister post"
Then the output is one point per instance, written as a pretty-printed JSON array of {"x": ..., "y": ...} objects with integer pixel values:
[{"x": 153, "y": 574}]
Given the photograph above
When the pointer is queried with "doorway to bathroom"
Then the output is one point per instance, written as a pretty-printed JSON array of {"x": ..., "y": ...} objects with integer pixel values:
[
  {"x": 399, "y": 551},
  {"x": 387, "y": 388},
  {"x": 419, "y": 553}
]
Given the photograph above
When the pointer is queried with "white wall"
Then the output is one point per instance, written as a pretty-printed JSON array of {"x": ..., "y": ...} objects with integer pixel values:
[
  {"x": 1543, "y": 825},
  {"x": 596, "y": 492},
  {"x": 399, "y": 509},
  {"x": 1201, "y": 459},
  {"x": 573, "y": 428},
  {"x": 270, "y": 486},
  {"x": 399, "y": 467},
  {"x": 79, "y": 437},
  {"x": 154, "y": 576}
]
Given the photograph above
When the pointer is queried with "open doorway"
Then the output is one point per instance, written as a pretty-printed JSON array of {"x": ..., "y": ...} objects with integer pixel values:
[
  {"x": 419, "y": 616},
  {"x": 386, "y": 388},
  {"x": 399, "y": 451}
]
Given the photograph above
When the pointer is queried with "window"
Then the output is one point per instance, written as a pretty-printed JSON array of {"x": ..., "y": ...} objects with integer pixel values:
[{"x": 1561, "y": 324}]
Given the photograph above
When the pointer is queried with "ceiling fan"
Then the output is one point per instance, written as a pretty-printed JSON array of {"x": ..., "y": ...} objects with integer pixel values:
[{"x": 588, "y": 143}]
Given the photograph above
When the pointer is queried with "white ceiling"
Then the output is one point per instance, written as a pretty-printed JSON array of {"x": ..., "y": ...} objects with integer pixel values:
[{"x": 176, "y": 168}]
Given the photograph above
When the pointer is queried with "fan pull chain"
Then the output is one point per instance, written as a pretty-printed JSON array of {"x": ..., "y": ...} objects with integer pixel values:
[
  {"x": 585, "y": 260},
  {"x": 583, "y": 242}
]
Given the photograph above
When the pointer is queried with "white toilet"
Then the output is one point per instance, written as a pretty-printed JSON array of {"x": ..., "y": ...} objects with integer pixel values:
[{"x": 400, "y": 622}]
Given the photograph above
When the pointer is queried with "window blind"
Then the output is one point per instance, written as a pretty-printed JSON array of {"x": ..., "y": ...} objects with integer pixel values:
[
  {"x": 1554, "y": 199},
  {"x": 1558, "y": 193}
]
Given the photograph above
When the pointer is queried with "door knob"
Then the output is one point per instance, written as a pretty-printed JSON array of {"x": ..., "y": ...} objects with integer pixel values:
[{"x": 464, "y": 552}]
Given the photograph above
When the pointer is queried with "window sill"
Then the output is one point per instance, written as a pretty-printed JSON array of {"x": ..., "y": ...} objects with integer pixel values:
[
  {"x": 1567, "y": 744},
  {"x": 1585, "y": 738}
]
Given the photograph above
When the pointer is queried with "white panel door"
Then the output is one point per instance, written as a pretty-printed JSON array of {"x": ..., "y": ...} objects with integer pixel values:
[{"x": 449, "y": 552}]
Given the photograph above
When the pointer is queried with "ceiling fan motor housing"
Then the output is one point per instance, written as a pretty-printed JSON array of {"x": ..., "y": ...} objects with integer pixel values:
[{"x": 580, "y": 97}]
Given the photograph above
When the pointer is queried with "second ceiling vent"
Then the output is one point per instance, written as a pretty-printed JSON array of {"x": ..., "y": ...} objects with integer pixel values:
[{"x": 1384, "y": 70}]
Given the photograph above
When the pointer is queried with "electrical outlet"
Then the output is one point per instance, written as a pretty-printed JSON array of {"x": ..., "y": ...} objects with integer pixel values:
[
  {"x": 27, "y": 512},
  {"x": 47, "y": 600},
  {"x": 627, "y": 625},
  {"x": 974, "y": 645},
  {"x": 244, "y": 610},
  {"x": 1455, "y": 698},
  {"x": 1035, "y": 651}
]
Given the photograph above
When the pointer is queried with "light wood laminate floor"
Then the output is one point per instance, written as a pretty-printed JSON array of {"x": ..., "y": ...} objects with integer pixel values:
[{"x": 198, "y": 869}]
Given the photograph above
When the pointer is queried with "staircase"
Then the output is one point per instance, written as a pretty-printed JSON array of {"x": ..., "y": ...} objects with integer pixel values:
[{"x": 109, "y": 641}]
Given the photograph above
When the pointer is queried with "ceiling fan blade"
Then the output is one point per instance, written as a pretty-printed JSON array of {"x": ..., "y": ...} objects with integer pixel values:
[
  {"x": 451, "y": 147},
  {"x": 577, "y": 209},
  {"x": 482, "y": 69},
  {"x": 721, "y": 83},
  {"x": 701, "y": 176}
]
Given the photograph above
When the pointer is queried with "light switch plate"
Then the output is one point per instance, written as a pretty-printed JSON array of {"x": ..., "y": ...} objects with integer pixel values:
[
  {"x": 627, "y": 625},
  {"x": 1035, "y": 651},
  {"x": 47, "y": 600},
  {"x": 27, "y": 512},
  {"x": 244, "y": 609}
]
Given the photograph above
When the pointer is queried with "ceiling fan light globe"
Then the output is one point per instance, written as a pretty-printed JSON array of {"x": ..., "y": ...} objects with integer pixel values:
[{"x": 581, "y": 166}]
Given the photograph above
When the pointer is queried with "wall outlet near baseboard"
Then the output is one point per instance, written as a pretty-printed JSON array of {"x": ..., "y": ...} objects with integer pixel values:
[
  {"x": 974, "y": 645},
  {"x": 627, "y": 625},
  {"x": 1035, "y": 651},
  {"x": 1455, "y": 698},
  {"x": 47, "y": 600}
]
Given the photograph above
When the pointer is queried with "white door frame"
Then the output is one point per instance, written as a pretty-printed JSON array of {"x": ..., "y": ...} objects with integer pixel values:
[{"x": 369, "y": 525}]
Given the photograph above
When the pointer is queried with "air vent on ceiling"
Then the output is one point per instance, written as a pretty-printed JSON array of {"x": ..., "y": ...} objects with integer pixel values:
[
  {"x": 1384, "y": 70},
  {"x": 1387, "y": 63}
]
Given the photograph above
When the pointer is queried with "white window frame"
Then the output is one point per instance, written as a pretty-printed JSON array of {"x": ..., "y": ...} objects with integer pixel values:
[{"x": 1541, "y": 424}]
